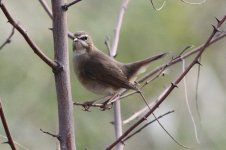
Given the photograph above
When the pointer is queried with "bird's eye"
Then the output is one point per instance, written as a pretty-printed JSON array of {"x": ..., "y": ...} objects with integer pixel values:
[{"x": 84, "y": 38}]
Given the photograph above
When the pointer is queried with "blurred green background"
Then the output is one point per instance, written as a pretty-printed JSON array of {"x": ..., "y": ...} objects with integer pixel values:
[{"x": 27, "y": 84}]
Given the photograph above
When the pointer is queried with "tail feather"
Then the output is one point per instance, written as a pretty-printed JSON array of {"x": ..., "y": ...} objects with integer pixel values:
[{"x": 139, "y": 66}]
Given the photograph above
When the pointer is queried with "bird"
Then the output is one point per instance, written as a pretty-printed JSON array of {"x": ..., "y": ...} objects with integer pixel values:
[{"x": 100, "y": 73}]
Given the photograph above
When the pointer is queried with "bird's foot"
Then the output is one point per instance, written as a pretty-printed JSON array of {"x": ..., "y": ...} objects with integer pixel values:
[{"x": 86, "y": 105}]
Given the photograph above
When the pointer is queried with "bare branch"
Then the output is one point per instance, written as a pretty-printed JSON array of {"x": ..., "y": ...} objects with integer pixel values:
[
  {"x": 113, "y": 53},
  {"x": 49, "y": 12},
  {"x": 53, "y": 135},
  {"x": 31, "y": 43},
  {"x": 62, "y": 78},
  {"x": 66, "y": 6},
  {"x": 6, "y": 128},
  {"x": 165, "y": 94},
  {"x": 8, "y": 40},
  {"x": 117, "y": 29}
]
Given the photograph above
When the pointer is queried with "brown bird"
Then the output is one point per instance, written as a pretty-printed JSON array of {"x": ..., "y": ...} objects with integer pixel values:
[{"x": 99, "y": 72}]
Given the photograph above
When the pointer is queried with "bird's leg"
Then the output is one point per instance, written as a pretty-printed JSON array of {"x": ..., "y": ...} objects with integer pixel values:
[
  {"x": 88, "y": 104},
  {"x": 107, "y": 104}
]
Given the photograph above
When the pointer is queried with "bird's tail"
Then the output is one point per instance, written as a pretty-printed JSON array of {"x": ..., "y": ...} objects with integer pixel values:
[{"x": 137, "y": 67}]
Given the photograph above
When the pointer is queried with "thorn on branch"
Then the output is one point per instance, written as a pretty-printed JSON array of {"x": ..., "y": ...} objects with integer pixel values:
[
  {"x": 174, "y": 85},
  {"x": 66, "y": 6},
  {"x": 5, "y": 142},
  {"x": 51, "y": 28},
  {"x": 218, "y": 21},
  {"x": 216, "y": 29},
  {"x": 198, "y": 62}
]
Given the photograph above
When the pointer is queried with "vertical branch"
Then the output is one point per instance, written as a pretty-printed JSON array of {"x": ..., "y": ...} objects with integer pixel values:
[
  {"x": 62, "y": 77},
  {"x": 113, "y": 52},
  {"x": 118, "y": 122},
  {"x": 117, "y": 29},
  {"x": 4, "y": 123}
]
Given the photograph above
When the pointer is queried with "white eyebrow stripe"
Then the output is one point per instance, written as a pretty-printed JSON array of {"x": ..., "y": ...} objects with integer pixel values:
[{"x": 81, "y": 36}]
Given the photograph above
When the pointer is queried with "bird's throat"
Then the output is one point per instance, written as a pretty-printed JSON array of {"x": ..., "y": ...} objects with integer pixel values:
[{"x": 79, "y": 52}]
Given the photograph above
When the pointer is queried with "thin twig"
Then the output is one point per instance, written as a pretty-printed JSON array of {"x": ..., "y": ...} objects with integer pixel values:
[
  {"x": 66, "y": 6},
  {"x": 46, "y": 8},
  {"x": 31, "y": 43},
  {"x": 188, "y": 106},
  {"x": 8, "y": 40},
  {"x": 147, "y": 124},
  {"x": 49, "y": 12},
  {"x": 53, "y": 135},
  {"x": 171, "y": 87},
  {"x": 6, "y": 128},
  {"x": 196, "y": 90}
]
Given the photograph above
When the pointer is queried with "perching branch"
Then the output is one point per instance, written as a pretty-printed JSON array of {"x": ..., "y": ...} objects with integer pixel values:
[
  {"x": 31, "y": 43},
  {"x": 6, "y": 128},
  {"x": 49, "y": 12},
  {"x": 174, "y": 84},
  {"x": 8, "y": 40}
]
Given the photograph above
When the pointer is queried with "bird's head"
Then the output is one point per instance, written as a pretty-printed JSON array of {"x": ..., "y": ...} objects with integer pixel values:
[{"x": 82, "y": 42}]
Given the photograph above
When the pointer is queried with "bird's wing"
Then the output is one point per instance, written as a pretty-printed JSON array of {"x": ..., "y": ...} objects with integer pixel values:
[{"x": 106, "y": 72}]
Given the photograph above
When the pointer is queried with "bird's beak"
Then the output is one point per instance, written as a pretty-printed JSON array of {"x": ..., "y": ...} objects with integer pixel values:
[{"x": 75, "y": 39}]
